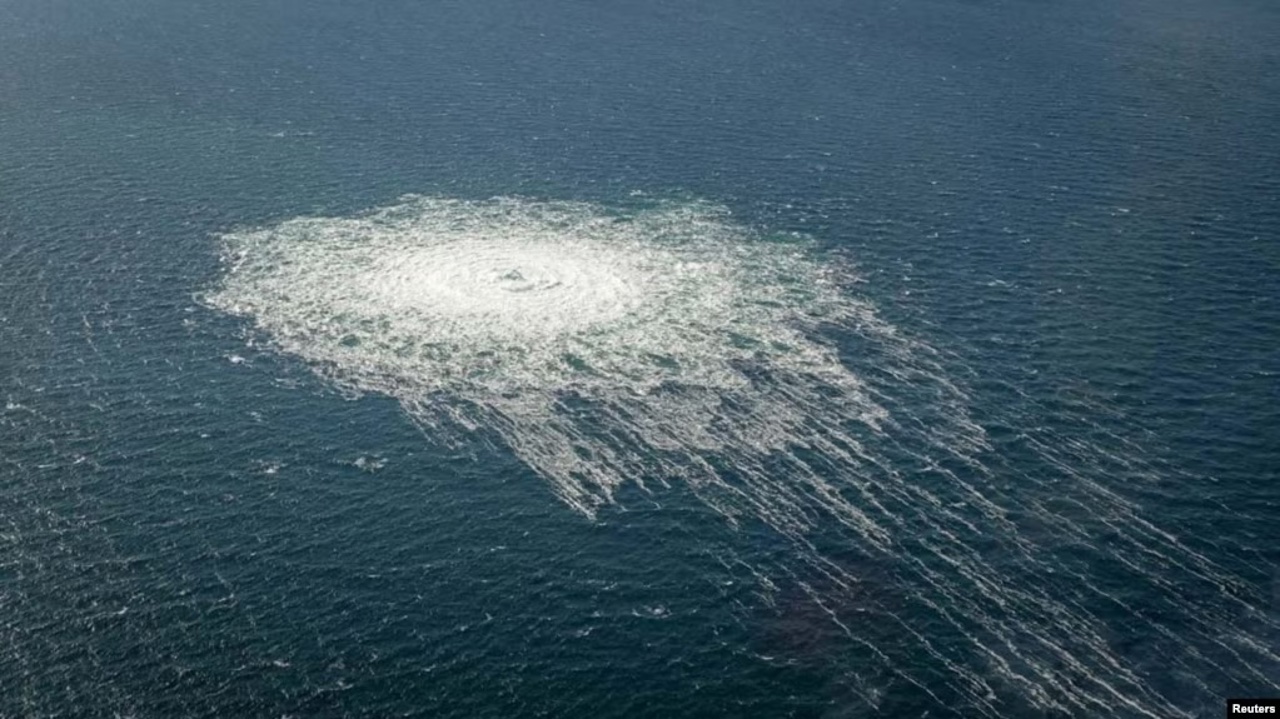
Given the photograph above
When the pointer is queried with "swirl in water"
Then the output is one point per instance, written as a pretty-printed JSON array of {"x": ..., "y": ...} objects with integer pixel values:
[
  {"x": 670, "y": 344},
  {"x": 513, "y": 306}
]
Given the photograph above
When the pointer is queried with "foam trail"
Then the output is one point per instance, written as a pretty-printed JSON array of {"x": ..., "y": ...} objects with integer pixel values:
[{"x": 669, "y": 344}]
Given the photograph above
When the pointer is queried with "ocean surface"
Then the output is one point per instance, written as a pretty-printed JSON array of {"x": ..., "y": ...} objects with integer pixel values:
[{"x": 883, "y": 358}]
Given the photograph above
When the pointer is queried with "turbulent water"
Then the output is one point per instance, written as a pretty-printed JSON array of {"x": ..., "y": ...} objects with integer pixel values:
[
  {"x": 599, "y": 347},
  {"x": 671, "y": 344},
  {"x": 488, "y": 359}
]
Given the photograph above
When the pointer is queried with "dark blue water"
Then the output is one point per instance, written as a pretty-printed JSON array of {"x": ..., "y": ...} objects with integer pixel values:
[{"x": 1077, "y": 207}]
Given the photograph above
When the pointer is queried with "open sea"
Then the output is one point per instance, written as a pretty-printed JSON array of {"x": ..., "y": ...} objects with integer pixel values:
[{"x": 840, "y": 359}]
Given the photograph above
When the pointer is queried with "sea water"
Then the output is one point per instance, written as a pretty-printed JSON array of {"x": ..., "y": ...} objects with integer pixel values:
[{"x": 466, "y": 359}]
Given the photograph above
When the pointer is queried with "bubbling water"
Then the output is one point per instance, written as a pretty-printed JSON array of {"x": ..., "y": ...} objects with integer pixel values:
[
  {"x": 679, "y": 329},
  {"x": 670, "y": 345}
]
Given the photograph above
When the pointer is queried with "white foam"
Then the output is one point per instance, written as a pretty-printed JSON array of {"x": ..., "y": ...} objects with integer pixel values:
[
  {"x": 671, "y": 345},
  {"x": 678, "y": 329}
]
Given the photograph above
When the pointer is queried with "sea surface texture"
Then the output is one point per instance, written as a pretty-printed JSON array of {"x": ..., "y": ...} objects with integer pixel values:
[{"x": 489, "y": 359}]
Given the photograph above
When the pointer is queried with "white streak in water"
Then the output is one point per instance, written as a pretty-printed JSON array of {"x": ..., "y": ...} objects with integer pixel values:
[{"x": 673, "y": 345}]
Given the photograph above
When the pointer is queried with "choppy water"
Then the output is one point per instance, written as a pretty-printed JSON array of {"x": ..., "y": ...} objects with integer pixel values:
[{"x": 485, "y": 360}]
